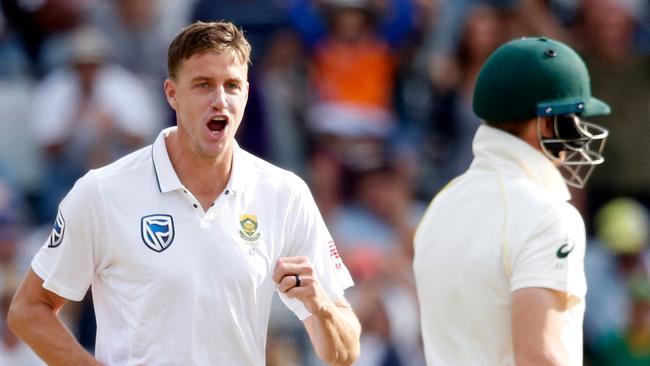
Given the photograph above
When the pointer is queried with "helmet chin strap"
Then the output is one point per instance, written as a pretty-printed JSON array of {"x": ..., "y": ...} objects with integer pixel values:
[{"x": 575, "y": 147}]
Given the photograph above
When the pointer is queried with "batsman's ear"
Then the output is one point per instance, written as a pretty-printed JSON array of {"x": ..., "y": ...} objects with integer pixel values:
[
  {"x": 170, "y": 92},
  {"x": 547, "y": 127}
]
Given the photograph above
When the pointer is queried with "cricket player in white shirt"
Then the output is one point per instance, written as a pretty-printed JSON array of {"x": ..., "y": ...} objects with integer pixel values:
[
  {"x": 499, "y": 253},
  {"x": 184, "y": 242}
]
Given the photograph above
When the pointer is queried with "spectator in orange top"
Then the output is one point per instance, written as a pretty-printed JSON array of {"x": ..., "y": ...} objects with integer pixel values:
[
  {"x": 352, "y": 69},
  {"x": 352, "y": 65}
]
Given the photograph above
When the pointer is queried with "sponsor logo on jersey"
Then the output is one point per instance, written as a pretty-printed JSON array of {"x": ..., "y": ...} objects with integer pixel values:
[
  {"x": 56, "y": 237},
  {"x": 248, "y": 230},
  {"x": 565, "y": 249},
  {"x": 334, "y": 255},
  {"x": 333, "y": 252},
  {"x": 157, "y": 231}
]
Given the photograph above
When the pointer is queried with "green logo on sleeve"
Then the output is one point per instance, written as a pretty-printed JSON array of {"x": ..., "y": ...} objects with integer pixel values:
[{"x": 565, "y": 249}]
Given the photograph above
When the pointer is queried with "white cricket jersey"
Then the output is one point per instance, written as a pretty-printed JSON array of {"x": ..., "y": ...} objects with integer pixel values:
[
  {"x": 503, "y": 225},
  {"x": 172, "y": 284}
]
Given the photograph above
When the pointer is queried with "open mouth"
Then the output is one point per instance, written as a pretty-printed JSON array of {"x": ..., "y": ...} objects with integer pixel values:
[{"x": 217, "y": 124}]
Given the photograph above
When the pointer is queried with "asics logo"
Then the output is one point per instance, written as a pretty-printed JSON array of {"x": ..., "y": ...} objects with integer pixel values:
[{"x": 565, "y": 249}]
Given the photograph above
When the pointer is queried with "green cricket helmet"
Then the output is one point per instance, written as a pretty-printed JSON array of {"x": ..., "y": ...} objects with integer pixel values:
[{"x": 537, "y": 78}]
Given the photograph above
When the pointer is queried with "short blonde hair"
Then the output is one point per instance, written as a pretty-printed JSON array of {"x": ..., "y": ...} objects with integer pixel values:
[{"x": 201, "y": 37}]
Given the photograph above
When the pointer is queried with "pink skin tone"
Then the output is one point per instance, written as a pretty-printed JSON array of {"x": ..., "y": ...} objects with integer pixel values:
[{"x": 208, "y": 85}]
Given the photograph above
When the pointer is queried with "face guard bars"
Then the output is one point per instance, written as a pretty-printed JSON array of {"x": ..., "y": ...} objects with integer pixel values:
[{"x": 576, "y": 147}]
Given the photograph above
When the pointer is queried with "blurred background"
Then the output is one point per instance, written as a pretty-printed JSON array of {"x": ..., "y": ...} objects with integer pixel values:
[{"x": 368, "y": 100}]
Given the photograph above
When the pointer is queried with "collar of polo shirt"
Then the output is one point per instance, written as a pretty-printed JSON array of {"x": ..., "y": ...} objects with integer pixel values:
[
  {"x": 168, "y": 179},
  {"x": 511, "y": 155}
]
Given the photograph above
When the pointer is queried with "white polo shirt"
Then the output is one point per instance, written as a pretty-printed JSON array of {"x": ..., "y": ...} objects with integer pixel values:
[
  {"x": 172, "y": 284},
  {"x": 503, "y": 225}
]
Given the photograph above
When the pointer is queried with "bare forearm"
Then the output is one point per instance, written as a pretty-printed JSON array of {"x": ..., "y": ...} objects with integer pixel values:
[
  {"x": 549, "y": 351},
  {"x": 337, "y": 333},
  {"x": 543, "y": 358},
  {"x": 333, "y": 328},
  {"x": 537, "y": 326},
  {"x": 42, "y": 330}
]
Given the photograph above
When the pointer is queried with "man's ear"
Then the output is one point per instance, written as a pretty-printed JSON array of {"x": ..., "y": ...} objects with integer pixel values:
[
  {"x": 547, "y": 126},
  {"x": 170, "y": 92}
]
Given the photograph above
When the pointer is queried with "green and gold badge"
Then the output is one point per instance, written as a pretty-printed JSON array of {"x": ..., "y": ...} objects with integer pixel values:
[{"x": 248, "y": 230}]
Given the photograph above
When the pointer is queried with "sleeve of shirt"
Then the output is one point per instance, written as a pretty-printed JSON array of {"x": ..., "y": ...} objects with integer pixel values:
[
  {"x": 553, "y": 255},
  {"x": 75, "y": 251},
  {"x": 307, "y": 235}
]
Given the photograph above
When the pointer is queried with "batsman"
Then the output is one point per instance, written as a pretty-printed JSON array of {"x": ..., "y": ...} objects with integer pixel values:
[{"x": 499, "y": 252}]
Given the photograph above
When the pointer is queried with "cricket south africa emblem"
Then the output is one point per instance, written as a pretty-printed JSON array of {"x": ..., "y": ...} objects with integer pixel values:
[
  {"x": 248, "y": 229},
  {"x": 157, "y": 231},
  {"x": 56, "y": 237}
]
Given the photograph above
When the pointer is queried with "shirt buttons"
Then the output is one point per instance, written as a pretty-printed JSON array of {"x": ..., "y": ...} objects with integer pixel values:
[
  {"x": 195, "y": 205},
  {"x": 227, "y": 191}
]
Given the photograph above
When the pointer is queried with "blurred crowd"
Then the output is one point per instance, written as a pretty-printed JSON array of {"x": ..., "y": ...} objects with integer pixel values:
[{"x": 368, "y": 100}]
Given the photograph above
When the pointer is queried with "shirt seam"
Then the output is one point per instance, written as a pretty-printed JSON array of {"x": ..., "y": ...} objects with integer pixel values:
[
  {"x": 505, "y": 244},
  {"x": 285, "y": 229},
  {"x": 102, "y": 215}
]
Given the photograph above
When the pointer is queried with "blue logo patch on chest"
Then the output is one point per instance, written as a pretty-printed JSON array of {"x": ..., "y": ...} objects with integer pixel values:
[{"x": 157, "y": 231}]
